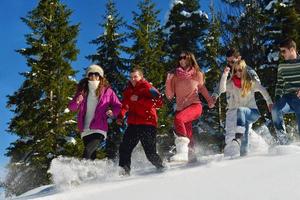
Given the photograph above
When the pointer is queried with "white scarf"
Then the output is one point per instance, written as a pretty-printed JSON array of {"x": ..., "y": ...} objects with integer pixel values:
[{"x": 93, "y": 85}]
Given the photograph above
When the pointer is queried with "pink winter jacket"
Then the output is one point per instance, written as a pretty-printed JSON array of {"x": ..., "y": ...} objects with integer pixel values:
[{"x": 186, "y": 86}]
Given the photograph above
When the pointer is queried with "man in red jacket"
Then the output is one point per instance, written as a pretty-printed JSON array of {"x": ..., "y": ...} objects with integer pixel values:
[{"x": 140, "y": 101}]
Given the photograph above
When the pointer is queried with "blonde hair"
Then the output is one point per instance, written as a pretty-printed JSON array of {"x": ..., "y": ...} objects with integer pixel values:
[{"x": 247, "y": 82}]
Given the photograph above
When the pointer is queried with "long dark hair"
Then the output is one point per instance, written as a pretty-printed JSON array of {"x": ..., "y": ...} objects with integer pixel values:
[{"x": 83, "y": 86}]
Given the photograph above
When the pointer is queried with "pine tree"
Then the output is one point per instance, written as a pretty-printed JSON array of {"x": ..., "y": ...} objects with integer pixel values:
[
  {"x": 109, "y": 50},
  {"x": 284, "y": 21},
  {"x": 214, "y": 118},
  {"x": 41, "y": 119},
  {"x": 186, "y": 29},
  {"x": 147, "y": 49},
  {"x": 110, "y": 47}
]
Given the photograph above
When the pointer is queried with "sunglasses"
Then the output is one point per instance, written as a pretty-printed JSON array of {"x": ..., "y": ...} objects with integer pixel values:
[
  {"x": 238, "y": 70},
  {"x": 93, "y": 74},
  {"x": 182, "y": 57}
]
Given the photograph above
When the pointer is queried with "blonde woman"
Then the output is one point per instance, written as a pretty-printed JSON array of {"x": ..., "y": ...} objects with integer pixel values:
[
  {"x": 185, "y": 84},
  {"x": 240, "y": 89}
]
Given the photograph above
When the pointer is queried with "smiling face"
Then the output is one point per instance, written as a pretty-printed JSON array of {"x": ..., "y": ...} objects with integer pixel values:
[
  {"x": 135, "y": 77},
  {"x": 288, "y": 54},
  {"x": 183, "y": 60}
]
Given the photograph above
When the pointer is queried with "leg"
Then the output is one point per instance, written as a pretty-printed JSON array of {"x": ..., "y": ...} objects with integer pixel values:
[
  {"x": 230, "y": 125},
  {"x": 91, "y": 143},
  {"x": 182, "y": 117},
  {"x": 278, "y": 110},
  {"x": 245, "y": 117},
  {"x": 294, "y": 103},
  {"x": 148, "y": 140},
  {"x": 130, "y": 140}
]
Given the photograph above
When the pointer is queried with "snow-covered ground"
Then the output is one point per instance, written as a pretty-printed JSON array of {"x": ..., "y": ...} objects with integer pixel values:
[{"x": 269, "y": 176}]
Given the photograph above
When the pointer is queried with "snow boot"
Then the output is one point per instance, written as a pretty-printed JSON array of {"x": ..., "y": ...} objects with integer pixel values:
[
  {"x": 181, "y": 150},
  {"x": 233, "y": 148}
]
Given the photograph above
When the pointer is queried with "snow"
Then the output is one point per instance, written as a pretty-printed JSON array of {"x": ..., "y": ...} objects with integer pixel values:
[
  {"x": 70, "y": 140},
  {"x": 67, "y": 109},
  {"x": 185, "y": 13},
  {"x": 273, "y": 56},
  {"x": 26, "y": 139},
  {"x": 284, "y": 3},
  {"x": 175, "y": 2},
  {"x": 71, "y": 121},
  {"x": 266, "y": 176}
]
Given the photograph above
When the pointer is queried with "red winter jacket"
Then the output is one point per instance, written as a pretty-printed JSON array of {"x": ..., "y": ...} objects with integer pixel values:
[{"x": 142, "y": 111}]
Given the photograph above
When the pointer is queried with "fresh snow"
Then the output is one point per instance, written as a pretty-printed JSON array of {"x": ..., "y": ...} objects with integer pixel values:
[{"x": 273, "y": 175}]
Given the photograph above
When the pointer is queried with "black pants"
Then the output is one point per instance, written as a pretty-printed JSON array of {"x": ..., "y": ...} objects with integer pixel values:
[
  {"x": 133, "y": 134},
  {"x": 91, "y": 144}
]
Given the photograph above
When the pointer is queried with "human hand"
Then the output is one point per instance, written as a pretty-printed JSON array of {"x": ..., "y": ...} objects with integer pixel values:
[
  {"x": 298, "y": 93},
  {"x": 79, "y": 99},
  {"x": 214, "y": 98},
  {"x": 109, "y": 113},
  {"x": 227, "y": 69},
  {"x": 211, "y": 104},
  {"x": 170, "y": 76},
  {"x": 134, "y": 98}
]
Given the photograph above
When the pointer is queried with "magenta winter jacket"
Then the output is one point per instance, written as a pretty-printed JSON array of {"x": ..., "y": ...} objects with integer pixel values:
[{"x": 106, "y": 100}]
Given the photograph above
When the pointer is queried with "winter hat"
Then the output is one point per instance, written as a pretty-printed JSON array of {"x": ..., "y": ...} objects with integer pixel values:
[{"x": 94, "y": 68}]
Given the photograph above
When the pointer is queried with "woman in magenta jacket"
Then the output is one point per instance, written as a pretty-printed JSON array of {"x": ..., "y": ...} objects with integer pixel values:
[{"x": 95, "y": 101}]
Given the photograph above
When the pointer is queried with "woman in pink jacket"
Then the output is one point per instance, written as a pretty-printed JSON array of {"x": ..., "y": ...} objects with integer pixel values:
[
  {"x": 95, "y": 101},
  {"x": 185, "y": 84}
]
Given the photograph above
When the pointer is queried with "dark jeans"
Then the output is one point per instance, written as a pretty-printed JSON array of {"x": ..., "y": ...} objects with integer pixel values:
[
  {"x": 91, "y": 144},
  {"x": 133, "y": 134},
  {"x": 288, "y": 103}
]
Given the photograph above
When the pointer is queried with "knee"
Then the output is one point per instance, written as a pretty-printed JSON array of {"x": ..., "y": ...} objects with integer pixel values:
[{"x": 178, "y": 119}]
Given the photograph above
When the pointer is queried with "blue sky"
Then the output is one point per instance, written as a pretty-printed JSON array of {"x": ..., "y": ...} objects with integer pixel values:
[{"x": 86, "y": 12}]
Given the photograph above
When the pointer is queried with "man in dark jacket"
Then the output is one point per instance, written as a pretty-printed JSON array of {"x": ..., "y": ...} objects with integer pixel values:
[{"x": 140, "y": 101}]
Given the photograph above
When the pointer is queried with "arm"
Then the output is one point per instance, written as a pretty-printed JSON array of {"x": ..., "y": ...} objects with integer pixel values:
[
  {"x": 279, "y": 84},
  {"x": 75, "y": 102},
  {"x": 264, "y": 92},
  {"x": 223, "y": 81},
  {"x": 203, "y": 90},
  {"x": 115, "y": 104},
  {"x": 170, "y": 86},
  {"x": 125, "y": 104}
]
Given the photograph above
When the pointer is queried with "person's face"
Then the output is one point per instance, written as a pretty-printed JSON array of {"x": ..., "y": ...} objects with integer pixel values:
[
  {"x": 231, "y": 60},
  {"x": 94, "y": 76},
  {"x": 135, "y": 77},
  {"x": 183, "y": 60},
  {"x": 238, "y": 71},
  {"x": 288, "y": 54}
]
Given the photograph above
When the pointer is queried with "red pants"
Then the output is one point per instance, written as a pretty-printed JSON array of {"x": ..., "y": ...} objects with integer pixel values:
[{"x": 183, "y": 121}]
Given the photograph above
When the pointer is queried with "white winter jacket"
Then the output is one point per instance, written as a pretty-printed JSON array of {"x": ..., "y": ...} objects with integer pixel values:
[{"x": 234, "y": 94}]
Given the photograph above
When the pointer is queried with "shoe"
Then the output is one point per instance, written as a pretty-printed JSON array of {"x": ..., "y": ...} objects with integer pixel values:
[
  {"x": 233, "y": 148},
  {"x": 181, "y": 150},
  {"x": 161, "y": 168},
  {"x": 124, "y": 171}
]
